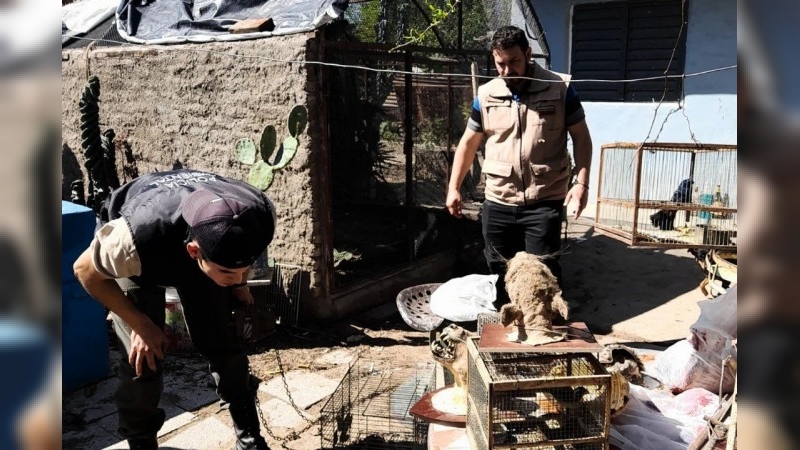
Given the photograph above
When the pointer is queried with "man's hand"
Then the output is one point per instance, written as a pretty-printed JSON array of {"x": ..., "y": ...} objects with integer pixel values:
[
  {"x": 149, "y": 345},
  {"x": 576, "y": 200},
  {"x": 454, "y": 202}
]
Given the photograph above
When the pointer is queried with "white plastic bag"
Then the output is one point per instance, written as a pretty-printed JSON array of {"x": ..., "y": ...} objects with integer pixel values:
[
  {"x": 462, "y": 299},
  {"x": 697, "y": 362}
]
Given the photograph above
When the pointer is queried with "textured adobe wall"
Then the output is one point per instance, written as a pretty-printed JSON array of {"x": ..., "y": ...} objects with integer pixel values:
[{"x": 187, "y": 105}]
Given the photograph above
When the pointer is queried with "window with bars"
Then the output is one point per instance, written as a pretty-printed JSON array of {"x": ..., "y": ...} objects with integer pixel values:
[{"x": 629, "y": 40}]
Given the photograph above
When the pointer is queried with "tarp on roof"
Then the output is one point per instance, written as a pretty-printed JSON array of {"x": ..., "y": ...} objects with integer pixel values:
[{"x": 176, "y": 21}]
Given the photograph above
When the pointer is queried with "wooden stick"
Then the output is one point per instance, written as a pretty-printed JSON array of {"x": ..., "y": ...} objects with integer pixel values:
[{"x": 732, "y": 428}]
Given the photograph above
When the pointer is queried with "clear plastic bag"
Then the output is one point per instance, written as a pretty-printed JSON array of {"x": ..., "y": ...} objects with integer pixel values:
[
  {"x": 658, "y": 420},
  {"x": 462, "y": 299},
  {"x": 698, "y": 361}
]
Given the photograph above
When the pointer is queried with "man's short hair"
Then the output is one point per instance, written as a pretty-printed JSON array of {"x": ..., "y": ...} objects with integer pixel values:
[{"x": 508, "y": 37}]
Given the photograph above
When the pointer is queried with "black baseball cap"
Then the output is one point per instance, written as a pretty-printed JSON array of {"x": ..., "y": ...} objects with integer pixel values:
[{"x": 228, "y": 232}]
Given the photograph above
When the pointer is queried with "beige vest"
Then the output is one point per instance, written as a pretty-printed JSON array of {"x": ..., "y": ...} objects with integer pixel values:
[{"x": 526, "y": 141}]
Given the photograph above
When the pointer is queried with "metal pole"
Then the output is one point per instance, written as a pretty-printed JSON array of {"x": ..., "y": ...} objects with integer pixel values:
[
  {"x": 449, "y": 114},
  {"x": 408, "y": 149},
  {"x": 694, "y": 183},
  {"x": 460, "y": 44},
  {"x": 637, "y": 186}
]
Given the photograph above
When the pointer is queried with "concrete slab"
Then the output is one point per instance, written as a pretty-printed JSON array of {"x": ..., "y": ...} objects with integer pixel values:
[
  {"x": 210, "y": 433},
  {"x": 92, "y": 438},
  {"x": 281, "y": 414},
  {"x": 306, "y": 388},
  {"x": 188, "y": 389},
  {"x": 442, "y": 437},
  {"x": 109, "y": 423},
  {"x": 176, "y": 418},
  {"x": 121, "y": 445},
  {"x": 92, "y": 402},
  {"x": 336, "y": 357}
]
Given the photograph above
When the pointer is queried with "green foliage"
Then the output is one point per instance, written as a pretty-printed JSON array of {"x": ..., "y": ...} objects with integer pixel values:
[
  {"x": 366, "y": 15},
  {"x": 343, "y": 256},
  {"x": 437, "y": 14},
  {"x": 262, "y": 173},
  {"x": 340, "y": 256},
  {"x": 400, "y": 23}
]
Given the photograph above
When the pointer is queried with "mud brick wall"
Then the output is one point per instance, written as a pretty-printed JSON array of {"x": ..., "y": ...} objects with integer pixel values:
[{"x": 187, "y": 105}]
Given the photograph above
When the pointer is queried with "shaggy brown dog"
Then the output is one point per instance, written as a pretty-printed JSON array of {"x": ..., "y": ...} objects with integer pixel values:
[{"x": 535, "y": 300}]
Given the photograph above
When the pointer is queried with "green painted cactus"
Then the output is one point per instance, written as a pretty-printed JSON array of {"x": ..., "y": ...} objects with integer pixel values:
[
  {"x": 246, "y": 151},
  {"x": 262, "y": 172}
]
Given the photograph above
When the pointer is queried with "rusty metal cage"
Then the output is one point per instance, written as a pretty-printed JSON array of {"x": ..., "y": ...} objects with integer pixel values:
[
  {"x": 669, "y": 195},
  {"x": 370, "y": 407},
  {"x": 536, "y": 400}
]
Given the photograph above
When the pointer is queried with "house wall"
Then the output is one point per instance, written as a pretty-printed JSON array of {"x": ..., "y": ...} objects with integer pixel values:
[
  {"x": 710, "y": 104},
  {"x": 187, "y": 105}
]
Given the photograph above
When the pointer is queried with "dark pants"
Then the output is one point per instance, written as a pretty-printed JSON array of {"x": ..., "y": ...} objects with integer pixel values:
[
  {"x": 208, "y": 311},
  {"x": 535, "y": 228}
]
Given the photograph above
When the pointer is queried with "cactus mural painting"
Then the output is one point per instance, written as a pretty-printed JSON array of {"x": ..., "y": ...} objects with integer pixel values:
[{"x": 266, "y": 161}]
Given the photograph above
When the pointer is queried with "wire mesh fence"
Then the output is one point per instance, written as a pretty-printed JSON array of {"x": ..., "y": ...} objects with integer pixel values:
[
  {"x": 392, "y": 140},
  {"x": 467, "y": 25},
  {"x": 283, "y": 294},
  {"x": 370, "y": 407}
]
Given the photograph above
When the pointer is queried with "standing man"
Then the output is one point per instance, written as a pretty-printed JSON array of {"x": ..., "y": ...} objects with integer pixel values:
[
  {"x": 525, "y": 116},
  {"x": 196, "y": 232}
]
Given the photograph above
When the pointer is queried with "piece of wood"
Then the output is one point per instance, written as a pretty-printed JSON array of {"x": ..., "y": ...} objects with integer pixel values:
[
  {"x": 731, "y": 444},
  {"x": 425, "y": 411},
  {"x": 579, "y": 340},
  {"x": 252, "y": 26},
  {"x": 708, "y": 438}
]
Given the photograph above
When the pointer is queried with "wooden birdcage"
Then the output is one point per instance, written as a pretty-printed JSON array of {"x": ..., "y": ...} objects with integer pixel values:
[
  {"x": 536, "y": 400},
  {"x": 668, "y": 195}
]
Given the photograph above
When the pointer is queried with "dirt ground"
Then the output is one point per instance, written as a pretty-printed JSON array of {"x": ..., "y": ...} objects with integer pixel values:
[
  {"x": 646, "y": 298},
  {"x": 643, "y": 297}
]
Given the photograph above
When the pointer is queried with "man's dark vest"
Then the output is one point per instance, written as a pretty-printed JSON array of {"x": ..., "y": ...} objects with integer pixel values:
[{"x": 151, "y": 205}]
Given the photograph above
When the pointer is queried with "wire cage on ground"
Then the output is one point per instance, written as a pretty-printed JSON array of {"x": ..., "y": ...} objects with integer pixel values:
[
  {"x": 536, "y": 400},
  {"x": 669, "y": 195},
  {"x": 370, "y": 407}
]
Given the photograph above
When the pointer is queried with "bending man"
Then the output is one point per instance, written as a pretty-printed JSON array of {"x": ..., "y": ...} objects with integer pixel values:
[{"x": 196, "y": 232}]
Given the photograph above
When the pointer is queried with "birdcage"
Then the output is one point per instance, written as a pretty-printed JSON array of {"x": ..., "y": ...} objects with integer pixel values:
[
  {"x": 370, "y": 407},
  {"x": 668, "y": 195},
  {"x": 536, "y": 400}
]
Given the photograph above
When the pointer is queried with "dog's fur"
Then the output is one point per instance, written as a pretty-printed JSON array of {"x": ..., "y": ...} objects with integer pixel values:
[{"x": 534, "y": 293}]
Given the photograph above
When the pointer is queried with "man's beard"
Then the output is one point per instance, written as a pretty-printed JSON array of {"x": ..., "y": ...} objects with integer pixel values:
[{"x": 518, "y": 83}]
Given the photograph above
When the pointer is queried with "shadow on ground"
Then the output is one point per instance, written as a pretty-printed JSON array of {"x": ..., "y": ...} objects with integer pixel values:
[{"x": 608, "y": 282}]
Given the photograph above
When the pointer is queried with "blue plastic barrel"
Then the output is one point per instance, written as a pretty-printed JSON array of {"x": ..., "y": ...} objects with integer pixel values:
[{"x": 84, "y": 337}]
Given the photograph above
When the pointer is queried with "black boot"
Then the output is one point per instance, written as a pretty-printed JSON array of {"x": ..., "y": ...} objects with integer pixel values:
[
  {"x": 143, "y": 444},
  {"x": 246, "y": 424}
]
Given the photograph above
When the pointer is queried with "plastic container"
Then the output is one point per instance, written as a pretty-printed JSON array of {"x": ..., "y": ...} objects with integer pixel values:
[
  {"x": 175, "y": 324},
  {"x": 84, "y": 329},
  {"x": 704, "y": 216}
]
